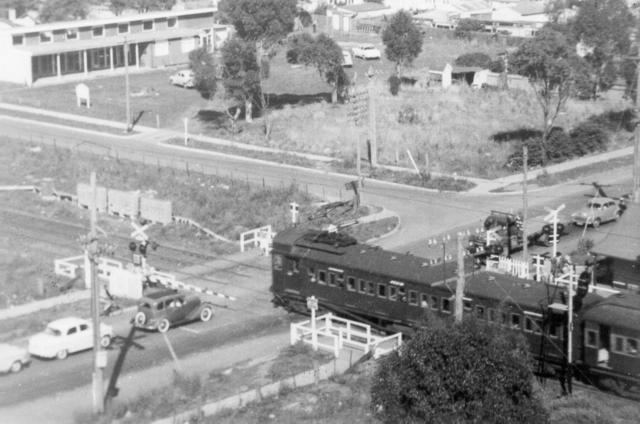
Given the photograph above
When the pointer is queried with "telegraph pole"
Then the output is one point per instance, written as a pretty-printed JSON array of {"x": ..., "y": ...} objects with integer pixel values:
[
  {"x": 459, "y": 306},
  {"x": 373, "y": 136},
  {"x": 636, "y": 147},
  {"x": 127, "y": 88},
  {"x": 525, "y": 205},
  {"x": 91, "y": 253}
]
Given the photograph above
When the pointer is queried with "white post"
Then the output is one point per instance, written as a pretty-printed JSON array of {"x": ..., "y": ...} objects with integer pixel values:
[
  {"x": 570, "y": 317},
  {"x": 312, "y": 303},
  {"x": 553, "y": 218},
  {"x": 294, "y": 208},
  {"x": 186, "y": 130}
]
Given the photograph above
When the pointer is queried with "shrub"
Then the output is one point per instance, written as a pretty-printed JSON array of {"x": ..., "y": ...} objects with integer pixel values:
[
  {"x": 466, "y": 27},
  {"x": 408, "y": 115},
  {"x": 588, "y": 137},
  {"x": 474, "y": 59},
  {"x": 470, "y": 372},
  {"x": 559, "y": 145},
  {"x": 394, "y": 85},
  {"x": 615, "y": 120}
]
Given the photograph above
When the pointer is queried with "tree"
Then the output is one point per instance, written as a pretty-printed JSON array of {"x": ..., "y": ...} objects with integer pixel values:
[
  {"x": 63, "y": 10},
  {"x": 325, "y": 54},
  {"x": 299, "y": 46},
  {"x": 466, "y": 27},
  {"x": 241, "y": 76},
  {"x": 21, "y": 6},
  {"x": 264, "y": 23},
  {"x": 402, "y": 40},
  {"x": 204, "y": 70},
  {"x": 547, "y": 60},
  {"x": 466, "y": 373},
  {"x": 117, "y": 6},
  {"x": 603, "y": 29}
]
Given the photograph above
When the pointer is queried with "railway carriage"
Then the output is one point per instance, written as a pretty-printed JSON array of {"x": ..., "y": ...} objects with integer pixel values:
[{"x": 393, "y": 291}]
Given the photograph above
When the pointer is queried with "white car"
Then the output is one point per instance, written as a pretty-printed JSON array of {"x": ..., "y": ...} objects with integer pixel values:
[
  {"x": 366, "y": 51},
  {"x": 67, "y": 335},
  {"x": 13, "y": 358},
  {"x": 347, "y": 61},
  {"x": 185, "y": 78}
]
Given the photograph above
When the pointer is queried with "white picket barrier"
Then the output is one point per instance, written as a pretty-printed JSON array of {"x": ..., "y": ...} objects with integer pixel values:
[
  {"x": 260, "y": 237},
  {"x": 505, "y": 265},
  {"x": 68, "y": 267}
]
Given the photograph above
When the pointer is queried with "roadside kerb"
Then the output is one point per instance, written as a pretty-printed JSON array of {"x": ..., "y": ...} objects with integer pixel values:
[
  {"x": 334, "y": 367},
  {"x": 31, "y": 307}
]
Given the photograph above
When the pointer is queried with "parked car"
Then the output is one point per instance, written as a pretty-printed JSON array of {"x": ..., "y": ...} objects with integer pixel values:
[
  {"x": 13, "y": 358},
  {"x": 347, "y": 61},
  {"x": 67, "y": 335},
  {"x": 598, "y": 210},
  {"x": 366, "y": 51},
  {"x": 163, "y": 309},
  {"x": 185, "y": 78}
]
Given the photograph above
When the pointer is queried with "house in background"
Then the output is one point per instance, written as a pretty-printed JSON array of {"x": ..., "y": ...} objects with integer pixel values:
[{"x": 63, "y": 51}]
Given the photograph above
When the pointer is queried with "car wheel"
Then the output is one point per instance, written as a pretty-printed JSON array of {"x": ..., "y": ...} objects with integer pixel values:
[
  {"x": 206, "y": 313},
  {"x": 16, "y": 366},
  {"x": 560, "y": 228},
  {"x": 62, "y": 354},
  {"x": 164, "y": 325},
  {"x": 596, "y": 223},
  {"x": 105, "y": 341},
  {"x": 547, "y": 229},
  {"x": 140, "y": 319}
]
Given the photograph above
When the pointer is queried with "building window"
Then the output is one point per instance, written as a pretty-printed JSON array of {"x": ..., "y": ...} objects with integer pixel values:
[
  {"x": 147, "y": 25},
  {"x": 172, "y": 22},
  {"x": 504, "y": 319},
  {"x": 72, "y": 34},
  {"x": 493, "y": 316},
  {"x": 362, "y": 286},
  {"x": 71, "y": 63},
  {"x": 43, "y": 66},
  {"x": 413, "y": 298},
  {"x": 46, "y": 37},
  {"x": 515, "y": 321},
  {"x": 123, "y": 28},
  {"x": 382, "y": 290},
  {"x": 97, "y": 31},
  {"x": 311, "y": 272},
  {"x": 332, "y": 279},
  {"x": 17, "y": 40},
  {"x": 446, "y": 305},
  {"x": 371, "y": 288},
  {"x": 351, "y": 284},
  {"x": 434, "y": 303},
  {"x": 592, "y": 339},
  {"x": 101, "y": 59},
  {"x": 340, "y": 280},
  {"x": 479, "y": 311},
  {"x": 162, "y": 48},
  {"x": 322, "y": 277}
]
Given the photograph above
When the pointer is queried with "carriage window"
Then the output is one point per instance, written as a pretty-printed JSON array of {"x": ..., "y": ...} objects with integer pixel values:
[
  {"x": 492, "y": 315},
  {"x": 393, "y": 293},
  {"x": 424, "y": 303},
  {"x": 362, "y": 286},
  {"x": 311, "y": 271},
  {"x": 402, "y": 294},
  {"x": 371, "y": 288},
  {"x": 382, "y": 290},
  {"x": 503, "y": 319},
  {"x": 515, "y": 321},
  {"x": 466, "y": 305},
  {"x": 351, "y": 284},
  {"x": 592, "y": 339},
  {"x": 555, "y": 331},
  {"x": 413, "y": 297},
  {"x": 632, "y": 347},
  {"x": 332, "y": 279},
  {"x": 322, "y": 277},
  {"x": 479, "y": 311},
  {"x": 618, "y": 344},
  {"x": 340, "y": 280},
  {"x": 295, "y": 265},
  {"x": 277, "y": 262},
  {"x": 446, "y": 305},
  {"x": 435, "y": 303}
]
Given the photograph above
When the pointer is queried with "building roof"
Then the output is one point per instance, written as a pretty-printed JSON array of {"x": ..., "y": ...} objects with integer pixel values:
[
  {"x": 364, "y": 7},
  {"x": 115, "y": 20},
  {"x": 618, "y": 311},
  {"x": 94, "y": 43},
  {"x": 623, "y": 239},
  {"x": 526, "y": 8}
]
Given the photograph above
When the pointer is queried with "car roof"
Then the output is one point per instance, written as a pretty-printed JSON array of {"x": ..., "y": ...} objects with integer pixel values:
[
  {"x": 67, "y": 322},
  {"x": 159, "y": 294}
]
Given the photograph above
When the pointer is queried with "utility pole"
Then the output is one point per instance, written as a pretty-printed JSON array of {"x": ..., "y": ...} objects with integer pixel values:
[
  {"x": 525, "y": 204},
  {"x": 91, "y": 259},
  {"x": 572, "y": 278},
  {"x": 459, "y": 306},
  {"x": 373, "y": 136},
  {"x": 636, "y": 147},
  {"x": 127, "y": 88}
]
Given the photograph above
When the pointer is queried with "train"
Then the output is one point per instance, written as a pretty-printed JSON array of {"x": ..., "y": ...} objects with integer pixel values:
[{"x": 395, "y": 292}]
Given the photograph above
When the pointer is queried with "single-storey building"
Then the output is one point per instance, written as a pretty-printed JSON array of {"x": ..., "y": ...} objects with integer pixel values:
[{"x": 61, "y": 51}]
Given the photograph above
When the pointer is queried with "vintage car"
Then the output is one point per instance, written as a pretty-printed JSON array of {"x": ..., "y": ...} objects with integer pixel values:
[
  {"x": 366, "y": 51},
  {"x": 163, "y": 309},
  {"x": 13, "y": 358},
  {"x": 184, "y": 78},
  {"x": 67, "y": 335},
  {"x": 598, "y": 210},
  {"x": 347, "y": 61}
]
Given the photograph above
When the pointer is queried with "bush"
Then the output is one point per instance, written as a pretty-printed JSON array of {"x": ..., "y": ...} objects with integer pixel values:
[
  {"x": 408, "y": 115},
  {"x": 474, "y": 59},
  {"x": 466, "y": 27},
  {"x": 615, "y": 120},
  {"x": 588, "y": 137},
  {"x": 458, "y": 373},
  {"x": 394, "y": 85}
]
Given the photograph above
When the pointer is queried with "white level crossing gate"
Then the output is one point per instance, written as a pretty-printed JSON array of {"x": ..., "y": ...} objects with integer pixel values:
[{"x": 334, "y": 333}]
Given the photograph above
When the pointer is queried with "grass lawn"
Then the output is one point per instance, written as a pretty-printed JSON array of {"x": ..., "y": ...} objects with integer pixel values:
[{"x": 452, "y": 128}]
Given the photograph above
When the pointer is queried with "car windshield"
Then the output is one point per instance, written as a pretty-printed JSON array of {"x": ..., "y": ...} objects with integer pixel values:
[{"x": 52, "y": 331}]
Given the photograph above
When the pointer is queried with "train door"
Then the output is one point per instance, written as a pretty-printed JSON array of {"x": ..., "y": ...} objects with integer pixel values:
[{"x": 605, "y": 345}]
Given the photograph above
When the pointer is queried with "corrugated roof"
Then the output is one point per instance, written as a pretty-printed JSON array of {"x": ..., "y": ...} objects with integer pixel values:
[{"x": 623, "y": 238}]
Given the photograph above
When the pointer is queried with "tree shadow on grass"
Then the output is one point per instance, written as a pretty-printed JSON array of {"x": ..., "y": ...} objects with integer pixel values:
[
  {"x": 213, "y": 118},
  {"x": 521, "y": 134},
  {"x": 278, "y": 101}
]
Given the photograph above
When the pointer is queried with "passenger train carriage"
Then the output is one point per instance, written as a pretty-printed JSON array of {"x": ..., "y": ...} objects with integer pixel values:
[{"x": 393, "y": 291}]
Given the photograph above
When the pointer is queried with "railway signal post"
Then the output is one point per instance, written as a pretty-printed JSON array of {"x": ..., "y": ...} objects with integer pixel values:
[
  {"x": 552, "y": 217},
  {"x": 312, "y": 303}
]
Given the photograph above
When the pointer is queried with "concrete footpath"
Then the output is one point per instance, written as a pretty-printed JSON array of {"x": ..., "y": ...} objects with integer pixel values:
[{"x": 60, "y": 409}]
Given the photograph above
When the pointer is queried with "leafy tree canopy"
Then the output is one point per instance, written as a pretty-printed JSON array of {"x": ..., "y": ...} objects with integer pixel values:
[
  {"x": 268, "y": 21},
  {"x": 20, "y": 6},
  {"x": 402, "y": 39},
  {"x": 467, "y": 26},
  {"x": 241, "y": 76},
  {"x": 467, "y": 373},
  {"x": 204, "y": 69},
  {"x": 63, "y": 10}
]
